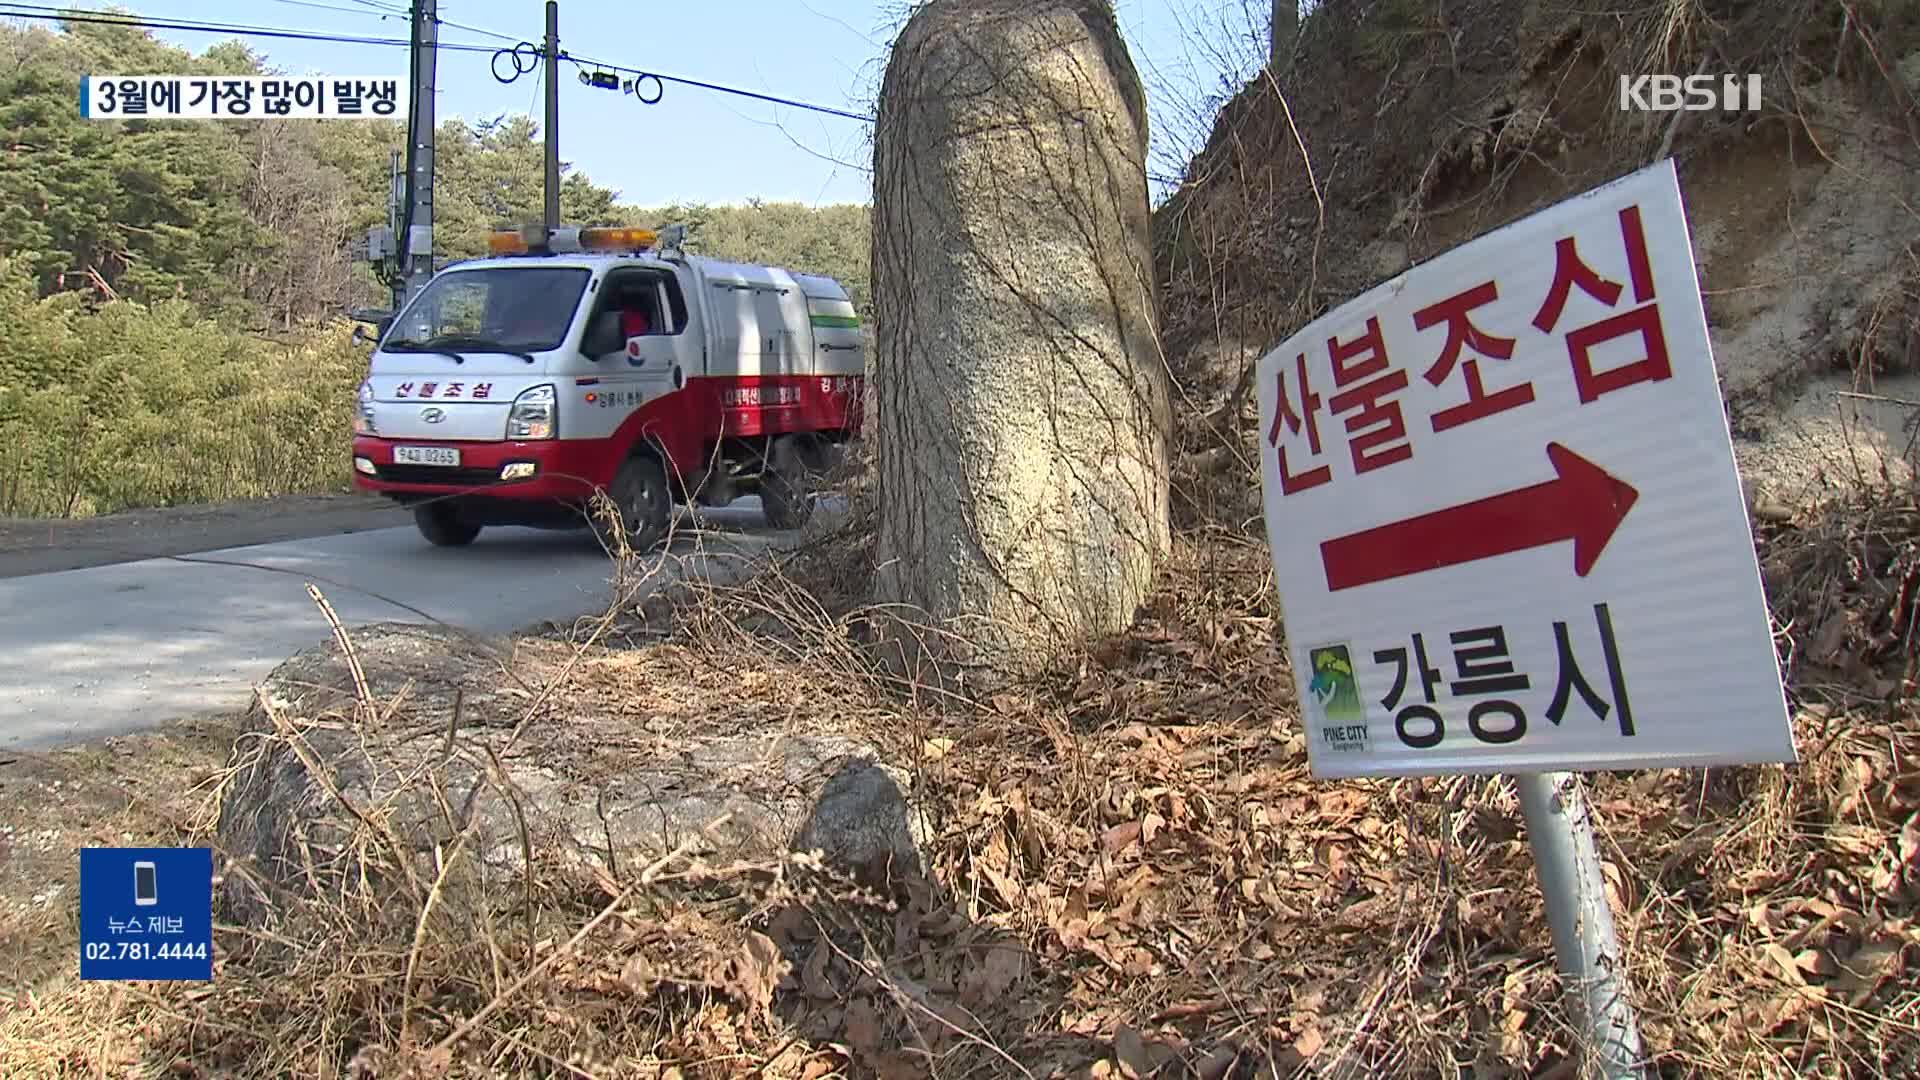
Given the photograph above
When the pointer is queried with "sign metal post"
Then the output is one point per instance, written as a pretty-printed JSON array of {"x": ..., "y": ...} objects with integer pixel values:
[{"x": 1567, "y": 861}]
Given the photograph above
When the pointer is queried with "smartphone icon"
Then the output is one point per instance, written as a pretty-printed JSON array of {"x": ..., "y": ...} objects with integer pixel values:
[{"x": 145, "y": 888}]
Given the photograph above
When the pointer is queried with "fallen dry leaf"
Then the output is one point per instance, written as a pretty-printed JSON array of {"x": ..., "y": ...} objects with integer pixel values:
[
  {"x": 1120, "y": 837},
  {"x": 758, "y": 969},
  {"x": 997, "y": 970},
  {"x": 1910, "y": 845},
  {"x": 1130, "y": 1053},
  {"x": 1150, "y": 827},
  {"x": 813, "y": 977},
  {"x": 861, "y": 1027},
  {"x": 1783, "y": 965},
  {"x": 1818, "y": 962},
  {"x": 1217, "y": 1064},
  {"x": 895, "y": 1065},
  {"x": 637, "y": 976},
  {"x": 1862, "y": 973}
]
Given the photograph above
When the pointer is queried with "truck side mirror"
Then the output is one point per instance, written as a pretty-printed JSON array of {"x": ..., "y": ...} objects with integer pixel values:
[
  {"x": 604, "y": 335},
  {"x": 381, "y": 321}
]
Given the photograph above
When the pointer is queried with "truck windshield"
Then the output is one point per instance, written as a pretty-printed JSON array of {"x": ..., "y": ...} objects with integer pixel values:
[{"x": 520, "y": 309}]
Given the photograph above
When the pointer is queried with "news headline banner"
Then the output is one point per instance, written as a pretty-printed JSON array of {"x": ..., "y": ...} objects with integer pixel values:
[
  {"x": 1507, "y": 531},
  {"x": 239, "y": 97}
]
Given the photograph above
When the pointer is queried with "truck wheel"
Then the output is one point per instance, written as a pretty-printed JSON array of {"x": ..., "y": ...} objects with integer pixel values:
[
  {"x": 639, "y": 491},
  {"x": 786, "y": 487},
  {"x": 442, "y": 526}
]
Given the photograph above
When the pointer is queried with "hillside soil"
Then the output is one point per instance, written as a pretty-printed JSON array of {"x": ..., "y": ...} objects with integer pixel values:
[
  {"x": 1400, "y": 130},
  {"x": 44, "y": 546}
]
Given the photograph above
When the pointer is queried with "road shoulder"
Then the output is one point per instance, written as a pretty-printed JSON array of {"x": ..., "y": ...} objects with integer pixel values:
[{"x": 45, "y": 546}]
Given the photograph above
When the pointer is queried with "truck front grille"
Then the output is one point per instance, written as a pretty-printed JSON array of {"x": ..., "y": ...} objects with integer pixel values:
[{"x": 437, "y": 475}]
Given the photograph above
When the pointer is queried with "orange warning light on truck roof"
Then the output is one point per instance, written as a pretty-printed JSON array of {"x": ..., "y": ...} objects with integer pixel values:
[{"x": 608, "y": 238}]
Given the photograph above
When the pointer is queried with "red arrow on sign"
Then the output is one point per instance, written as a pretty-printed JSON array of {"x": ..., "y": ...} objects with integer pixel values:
[{"x": 1584, "y": 504}]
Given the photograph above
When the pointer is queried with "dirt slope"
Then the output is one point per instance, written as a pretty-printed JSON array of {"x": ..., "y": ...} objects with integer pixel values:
[{"x": 1427, "y": 124}]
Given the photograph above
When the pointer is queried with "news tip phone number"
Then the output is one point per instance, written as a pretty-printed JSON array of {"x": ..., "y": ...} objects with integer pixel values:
[{"x": 146, "y": 950}]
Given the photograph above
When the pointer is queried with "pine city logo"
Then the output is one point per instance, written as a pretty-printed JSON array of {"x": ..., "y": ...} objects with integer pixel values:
[
  {"x": 1334, "y": 687},
  {"x": 1695, "y": 93}
]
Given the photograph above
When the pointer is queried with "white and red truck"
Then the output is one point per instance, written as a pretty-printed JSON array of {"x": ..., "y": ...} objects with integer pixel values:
[{"x": 514, "y": 387}]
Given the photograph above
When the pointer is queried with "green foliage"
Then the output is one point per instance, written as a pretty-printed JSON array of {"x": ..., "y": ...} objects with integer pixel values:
[
  {"x": 145, "y": 210},
  {"x": 127, "y": 405},
  {"x": 830, "y": 240},
  {"x": 493, "y": 174}
]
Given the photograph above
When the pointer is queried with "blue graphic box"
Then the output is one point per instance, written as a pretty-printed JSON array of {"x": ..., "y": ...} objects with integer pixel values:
[{"x": 146, "y": 913}]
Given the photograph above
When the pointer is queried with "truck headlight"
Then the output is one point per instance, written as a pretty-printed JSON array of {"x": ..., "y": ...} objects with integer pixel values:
[
  {"x": 363, "y": 413},
  {"x": 533, "y": 414}
]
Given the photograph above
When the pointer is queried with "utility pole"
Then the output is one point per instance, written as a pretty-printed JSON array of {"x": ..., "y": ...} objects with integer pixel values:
[
  {"x": 417, "y": 252},
  {"x": 553, "y": 116},
  {"x": 389, "y": 255}
]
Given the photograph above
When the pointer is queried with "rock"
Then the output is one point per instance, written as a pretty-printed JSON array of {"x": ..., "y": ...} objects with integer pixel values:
[
  {"x": 591, "y": 784},
  {"x": 862, "y": 823},
  {"x": 1018, "y": 357}
]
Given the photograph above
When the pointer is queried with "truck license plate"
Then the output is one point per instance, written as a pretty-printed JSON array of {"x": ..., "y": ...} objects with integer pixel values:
[{"x": 426, "y": 455}]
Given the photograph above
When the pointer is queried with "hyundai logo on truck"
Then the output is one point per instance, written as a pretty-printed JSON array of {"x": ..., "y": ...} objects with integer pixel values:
[{"x": 710, "y": 381}]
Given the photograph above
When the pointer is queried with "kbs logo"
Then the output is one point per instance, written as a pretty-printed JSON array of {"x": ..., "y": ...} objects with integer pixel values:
[{"x": 1695, "y": 93}]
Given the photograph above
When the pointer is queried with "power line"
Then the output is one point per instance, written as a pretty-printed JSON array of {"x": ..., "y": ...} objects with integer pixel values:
[
  {"x": 539, "y": 80},
  {"x": 482, "y": 31},
  {"x": 583, "y": 61},
  {"x": 386, "y": 10},
  {"x": 381, "y": 12},
  {"x": 233, "y": 29},
  {"x": 372, "y": 8}
]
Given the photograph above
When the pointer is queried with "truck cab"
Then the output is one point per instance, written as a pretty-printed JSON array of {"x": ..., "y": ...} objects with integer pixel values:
[{"x": 513, "y": 388}]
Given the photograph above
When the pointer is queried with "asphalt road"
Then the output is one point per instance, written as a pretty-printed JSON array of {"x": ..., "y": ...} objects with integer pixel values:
[{"x": 105, "y": 650}]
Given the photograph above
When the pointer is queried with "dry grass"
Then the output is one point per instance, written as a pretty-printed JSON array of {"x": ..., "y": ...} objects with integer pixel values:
[
  {"x": 1130, "y": 865},
  {"x": 1849, "y": 580}
]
